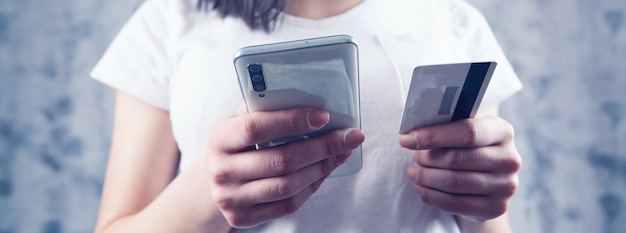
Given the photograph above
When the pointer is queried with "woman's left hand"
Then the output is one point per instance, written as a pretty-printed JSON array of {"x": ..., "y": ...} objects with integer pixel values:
[{"x": 467, "y": 167}]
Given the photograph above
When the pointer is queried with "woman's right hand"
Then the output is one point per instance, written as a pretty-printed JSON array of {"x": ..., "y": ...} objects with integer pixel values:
[{"x": 252, "y": 186}]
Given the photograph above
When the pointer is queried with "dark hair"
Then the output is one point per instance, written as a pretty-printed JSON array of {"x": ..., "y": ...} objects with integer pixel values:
[{"x": 257, "y": 14}]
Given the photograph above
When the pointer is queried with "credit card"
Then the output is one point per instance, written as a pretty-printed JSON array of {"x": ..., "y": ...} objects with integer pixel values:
[{"x": 445, "y": 93}]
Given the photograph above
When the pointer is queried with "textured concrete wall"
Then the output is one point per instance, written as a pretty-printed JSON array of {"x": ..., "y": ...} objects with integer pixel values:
[
  {"x": 570, "y": 54},
  {"x": 55, "y": 122}
]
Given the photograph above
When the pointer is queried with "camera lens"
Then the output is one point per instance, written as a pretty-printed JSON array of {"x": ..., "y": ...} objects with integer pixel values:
[
  {"x": 257, "y": 78},
  {"x": 254, "y": 68},
  {"x": 259, "y": 87}
]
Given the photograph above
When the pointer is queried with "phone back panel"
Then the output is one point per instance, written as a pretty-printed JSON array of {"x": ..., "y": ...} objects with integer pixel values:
[{"x": 318, "y": 72}]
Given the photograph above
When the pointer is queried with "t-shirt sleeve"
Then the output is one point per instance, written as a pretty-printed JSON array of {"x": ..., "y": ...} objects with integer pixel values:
[
  {"x": 473, "y": 31},
  {"x": 138, "y": 62}
]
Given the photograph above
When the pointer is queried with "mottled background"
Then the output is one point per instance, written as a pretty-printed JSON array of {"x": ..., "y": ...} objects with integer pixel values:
[{"x": 570, "y": 54}]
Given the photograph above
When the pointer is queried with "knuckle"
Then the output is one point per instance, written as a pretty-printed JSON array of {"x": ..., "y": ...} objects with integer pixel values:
[
  {"x": 315, "y": 186},
  {"x": 425, "y": 139},
  {"x": 296, "y": 123},
  {"x": 511, "y": 163},
  {"x": 224, "y": 202},
  {"x": 419, "y": 175},
  {"x": 514, "y": 164},
  {"x": 472, "y": 132},
  {"x": 249, "y": 128},
  {"x": 509, "y": 188},
  {"x": 429, "y": 198},
  {"x": 239, "y": 219},
  {"x": 290, "y": 206},
  {"x": 332, "y": 145},
  {"x": 280, "y": 161},
  {"x": 496, "y": 209},
  {"x": 281, "y": 188},
  {"x": 425, "y": 196},
  {"x": 418, "y": 157},
  {"x": 509, "y": 131},
  {"x": 328, "y": 165},
  {"x": 458, "y": 159},
  {"x": 427, "y": 157},
  {"x": 507, "y": 128},
  {"x": 222, "y": 177},
  {"x": 455, "y": 182}
]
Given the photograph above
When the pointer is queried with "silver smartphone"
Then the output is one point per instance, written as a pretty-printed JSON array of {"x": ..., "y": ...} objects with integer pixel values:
[{"x": 318, "y": 72}]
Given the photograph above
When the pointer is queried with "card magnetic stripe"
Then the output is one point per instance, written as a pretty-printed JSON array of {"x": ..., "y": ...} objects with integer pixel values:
[{"x": 474, "y": 80}]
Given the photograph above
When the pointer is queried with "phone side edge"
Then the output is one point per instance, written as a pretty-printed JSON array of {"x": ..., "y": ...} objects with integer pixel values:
[{"x": 296, "y": 44}]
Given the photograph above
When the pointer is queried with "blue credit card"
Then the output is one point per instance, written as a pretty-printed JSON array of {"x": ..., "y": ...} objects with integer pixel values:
[{"x": 445, "y": 93}]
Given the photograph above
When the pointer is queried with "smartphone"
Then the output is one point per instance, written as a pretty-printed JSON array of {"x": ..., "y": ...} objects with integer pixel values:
[{"x": 318, "y": 72}]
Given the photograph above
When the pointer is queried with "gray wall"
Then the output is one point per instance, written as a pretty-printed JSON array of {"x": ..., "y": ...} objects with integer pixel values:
[
  {"x": 570, "y": 54},
  {"x": 570, "y": 125}
]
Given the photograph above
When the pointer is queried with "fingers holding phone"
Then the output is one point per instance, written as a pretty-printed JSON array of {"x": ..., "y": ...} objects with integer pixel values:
[
  {"x": 254, "y": 186},
  {"x": 260, "y": 127},
  {"x": 317, "y": 72}
]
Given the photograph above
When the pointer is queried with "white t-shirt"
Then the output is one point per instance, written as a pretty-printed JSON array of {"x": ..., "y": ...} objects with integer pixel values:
[{"x": 179, "y": 59}]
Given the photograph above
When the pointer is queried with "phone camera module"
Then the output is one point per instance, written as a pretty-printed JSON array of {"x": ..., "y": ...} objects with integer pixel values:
[
  {"x": 259, "y": 87},
  {"x": 257, "y": 78},
  {"x": 254, "y": 68}
]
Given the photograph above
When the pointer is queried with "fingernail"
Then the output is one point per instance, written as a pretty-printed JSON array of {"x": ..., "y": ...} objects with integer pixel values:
[
  {"x": 354, "y": 138},
  {"x": 408, "y": 141},
  {"x": 318, "y": 118},
  {"x": 412, "y": 173}
]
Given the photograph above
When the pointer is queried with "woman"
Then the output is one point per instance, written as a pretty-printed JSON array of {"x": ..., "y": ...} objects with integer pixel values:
[{"x": 181, "y": 161}]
